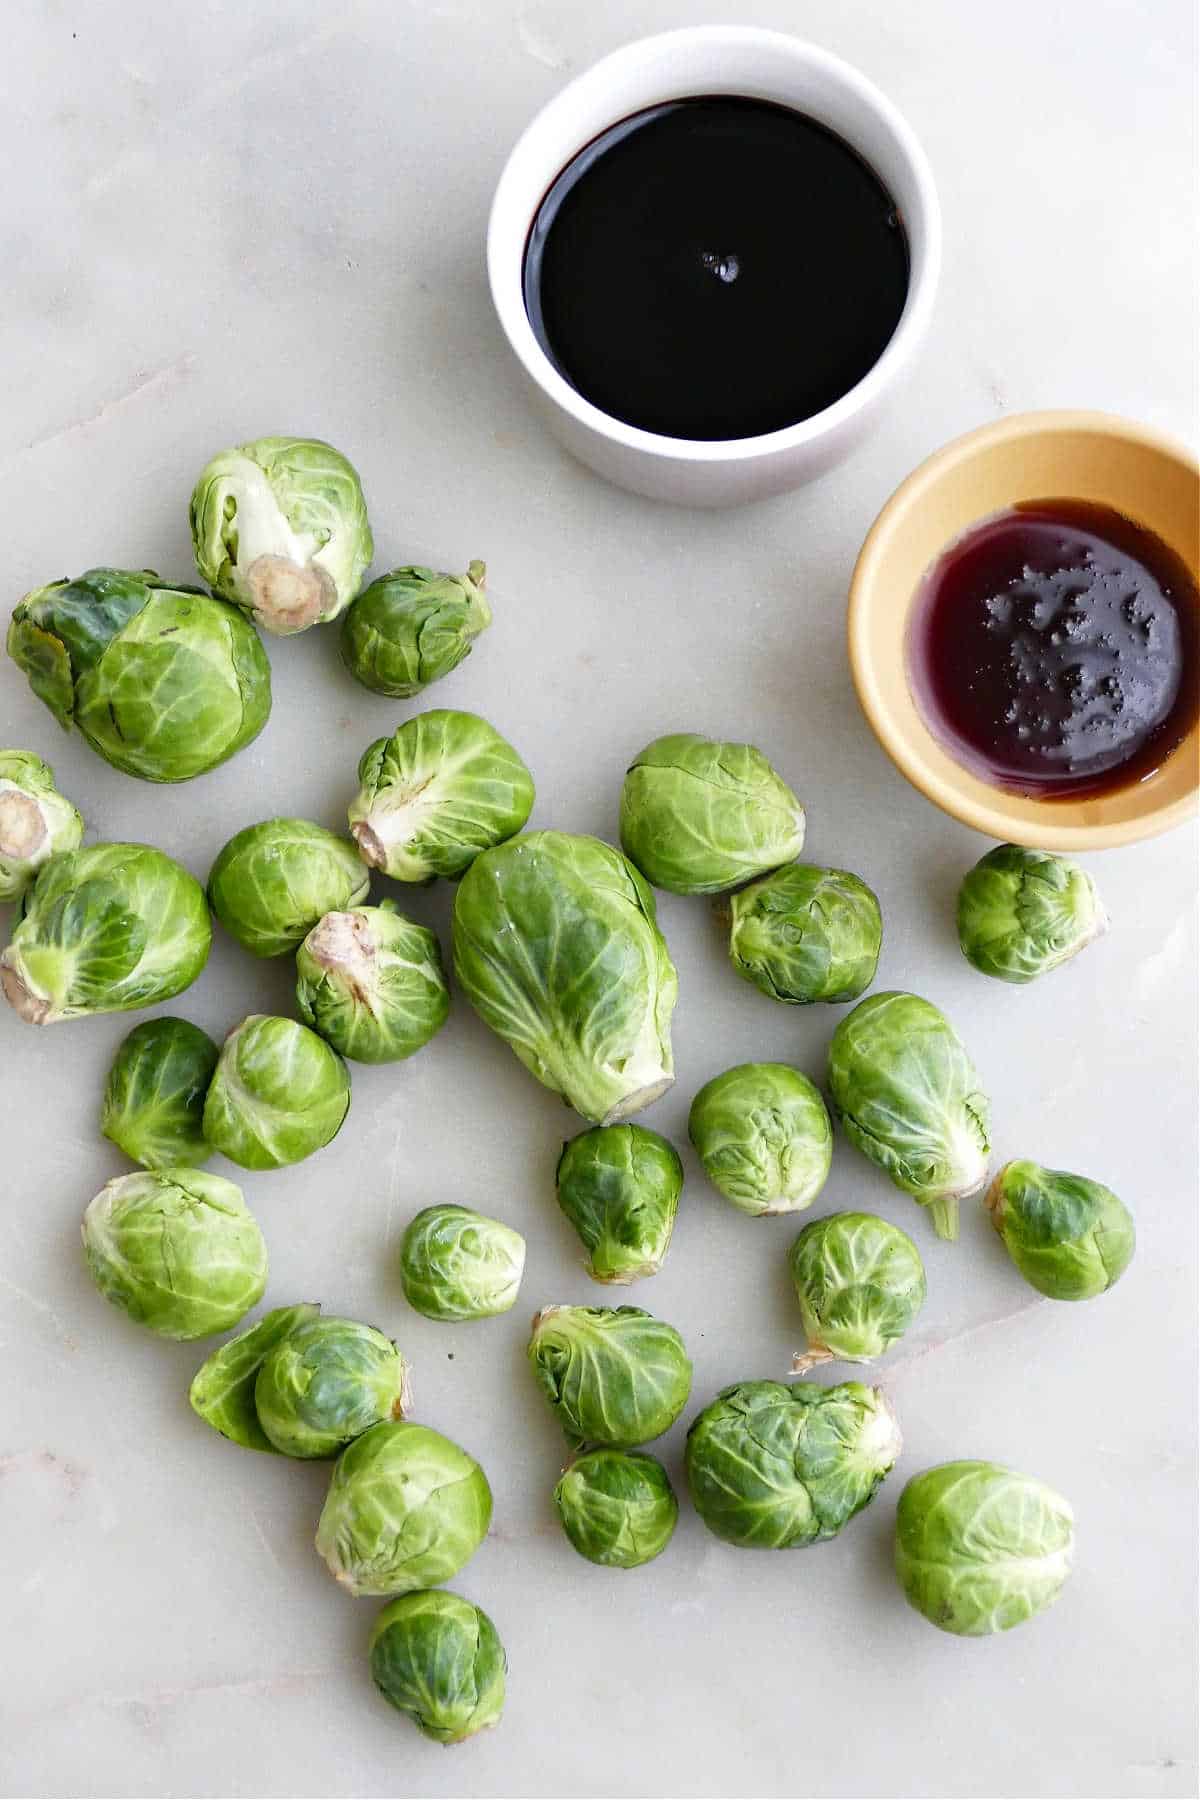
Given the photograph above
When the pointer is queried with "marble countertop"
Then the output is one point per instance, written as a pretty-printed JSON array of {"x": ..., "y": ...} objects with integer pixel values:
[{"x": 221, "y": 221}]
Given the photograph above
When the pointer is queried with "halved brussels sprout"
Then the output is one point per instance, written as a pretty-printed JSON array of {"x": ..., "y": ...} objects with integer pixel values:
[
  {"x": 1023, "y": 912},
  {"x": 274, "y": 881},
  {"x": 411, "y": 627},
  {"x": 36, "y": 821},
  {"x": 372, "y": 983},
  {"x": 614, "y": 1375},
  {"x": 860, "y": 1283},
  {"x": 222, "y": 1390},
  {"x": 457, "y": 1264},
  {"x": 279, "y": 1093},
  {"x": 153, "y": 1107},
  {"x": 763, "y": 1134},
  {"x": 325, "y": 1383},
  {"x": 617, "y": 1507},
  {"x": 620, "y": 1185},
  {"x": 804, "y": 934},
  {"x": 1070, "y": 1237},
  {"x": 437, "y": 1658}
]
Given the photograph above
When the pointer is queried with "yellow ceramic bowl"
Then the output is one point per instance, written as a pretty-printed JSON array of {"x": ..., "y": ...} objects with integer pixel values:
[{"x": 1033, "y": 456}]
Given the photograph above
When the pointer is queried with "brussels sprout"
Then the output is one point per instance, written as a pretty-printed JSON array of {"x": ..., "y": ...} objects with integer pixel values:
[
  {"x": 274, "y": 881},
  {"x": 619, "y": 1185},
  {"x": 557, "y": 948},
  {"x": 411, "y": 627},
  {"x": 36, "y": 821},
  {"x": 163, "y": 681},
  {"x": 457, "y": 1264},
  {"x": 278, "y": 1094},
  {"x": 438, "y": 1659},
  {"x": 325, "y": 1383},
  {"x": 775, "y": 1468},
  {"x": 614, "y": 1376},
  {"x": 860, "y": 1283},
  {"x": 280, "y": 528},
  {"x": 805, "y": 934},
  {"x": 1070, "y": 1237},
  {"x": 442, "y": 788},
  {"x": 222, "y": 1390},
  {"x": 980, "y": 1548},
  {"x": 617, "y": 1507},
  {"x": 178, "y": 1250},
  {"x": 908, "y": 1097},
  {"x": 764, "y": 1137},
  {"x": 106, "y": 929},
  {"x": 371, "y": 982},
  {"x": 698, "y": 816},
  {"x": 1023, "y": 912},
  {"x": 406, "y": 1509},
  {"x": 153, "y": 1107}
]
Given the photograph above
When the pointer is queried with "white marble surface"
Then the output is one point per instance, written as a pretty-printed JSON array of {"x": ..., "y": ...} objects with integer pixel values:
[{"x": 219, "y": 221}]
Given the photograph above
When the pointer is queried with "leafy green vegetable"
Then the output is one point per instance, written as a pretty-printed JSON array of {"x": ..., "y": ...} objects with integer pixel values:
[
  {"x": 1023, "y": 912},
  {"x": 614, "y": 1376},
  {"x": 457, "y": 1264},
  {"x": 437, "y": 1658},
  {"x": 1070, "y": 1237},
  {"x": 617, "y": 1507},
  {"x": 36, "y": 821},
  {"x": 764, "y": 1137},
  {"x": 153, "y": 1107},
  {"x": 325, "y": 1383},
  {"x": 278, "y": 1094},
  {"x": 411, "y": 627},
  {"x": 804, "y": 934},
  {"x": 222, "y": 1390},
  {"x": 620, "y": 1185},
  {"x": 274, "y": 881},
  {"x": 860, "y": 1283},
  {"x": 371, "y": 982}
]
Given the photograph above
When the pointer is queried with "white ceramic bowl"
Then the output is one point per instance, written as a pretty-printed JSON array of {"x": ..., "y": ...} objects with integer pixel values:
[{"x": 712, "y": 59}]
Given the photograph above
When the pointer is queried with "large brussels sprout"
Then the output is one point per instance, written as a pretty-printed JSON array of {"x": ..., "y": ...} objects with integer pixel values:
[
  {"x": 222, "y": 1390},
  {"x": 280, "y": 528},
  {"x": 105, "y": 929},
  {"x": 698, "y": 816},
  {"x": 411, "y": 627},
  {"x": 163, "y": 681},
  {"x": 437, "y": 1658},
  {"x": 557, "y": 948},
  {"x": 326, "y": 1383},
  {"x": 1023, "y": 912},
  {"x": 457, "y": 1264},
  {"x": 273, "y": 881},
  {"x": 908, "y": 1097},
  {"x": 153, "y": 1106},
  {"x": 980, "y": 1548},
  {"x": 860, "y": 1283},
  {"x": 36, "y": 821},
  {"x": 1070, "y": 1237},
  {"x": 442, "y": 788},
  {"x": 775, "y": 1468},
  {"x": 806, "y": 934},
  {"x": 614, "y": 1375},
  {"x": 617, "y": 1507},
  {"x": 178, "y": 1250},
  {"x": 406, "y": 1509},
  {"x": 371, "y": 982},
  {"x": 763, "y": 1134},
  {"x": 620, "y": 1185},
  {"x": 279, "y": 1093}
]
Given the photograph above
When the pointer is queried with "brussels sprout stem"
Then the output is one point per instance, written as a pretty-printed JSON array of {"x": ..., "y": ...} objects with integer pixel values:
[
  {"x": 993, "y": 1200},
  {"x": 944, "y": 1213},
  {"x": 286, "y": 597},
  {"x": 808, "y": 1359},
  {"x": 33, "y": 1008},
  {"x": 22, "y": 826},
  {"x": 402, "y": 1405},
  {"x": 477, "y": 572}
]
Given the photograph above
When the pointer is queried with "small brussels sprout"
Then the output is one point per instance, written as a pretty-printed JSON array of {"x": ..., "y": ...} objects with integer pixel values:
[
  {"x": 406, "y": 1509},
  {"x": 620, "y": 1185},
  {"x": 437, "y": 1658},
  {"x": 614, "y": 1376},
  {"x": 806, "y": 934},
  {"x": 980, "y": 1548},
  {"x": 106, "y": 929},
  {"x": 698, "y": 816},
  {"x": 36, "y": 821},
  {"x": 326, "y": 1383},
  {"x": 763, "y": 1134},
  {"x": 163, "y": 681},
  {"x": 1070, "y": 1237},
  {"x": 775, "y": 1468},
  {"x": 557, "y": 948},
  {"x": 222, "y": 1390},
  {"x": 411, "y": 627},
  {"x": 274, "y": 881},
  {"x": 280, "y": 528},
  {"x": 372, "y": 983},
  {"x": 278, "y": 1094},
  {"x": 153, "y": 1107},
  {"x": 860, "y": 1283},
  {"x": 1023, "y": 912},
  {"x": 908, "y": 1097},
  {"x": 457, "y": 1264},
  {"x": 178, "y": 1250},
  {"x": 617, "y": 1507},
  {"x": 442, "y": 788}
]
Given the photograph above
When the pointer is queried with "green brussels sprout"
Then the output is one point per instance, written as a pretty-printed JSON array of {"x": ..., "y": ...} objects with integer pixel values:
[
  {"x": 437, "y": 1658},
  {"x": 860, "y": 1283},
  {"x": 163, "y": 681},
  {"x": 442, "y": 788},
  {"x": 1070, "y": 1237},
  {"x": 411, "y": 627},
  {"x": 280, "y": 528},
  {"x": 908, "y": 1097},
  {"x": 153, "y": 1106},
  {"x": 763, "y": 1134},
  {"x": 617, "y": 1507},
  {"x": 36, "y": 821},
  {"x": 806, "y": 934},
  {"x": 105, "y": 929},
  {"x": 178, "y": 1250},
  {"x": 775, "y": 1468},
  {"x": 980, "y": 1548},
  {"x": 620, "y": 1185},
  {"x": 371, "y": 982},
  {"x": 274, "y": 881},
  {"x": 326, "y": 1383},
  {"x": 557, "y": 948},
  {"x": 457, "y": 1264},
  {"x": 1023, "y": 912},
  {"x": 614, "y": 1375},
  {"x": 278, "y": 1094},
  {"x": 222, "y": 1390},
  {"x": 698, "y": 816},
  {"x": 406, "y": 1509}
]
